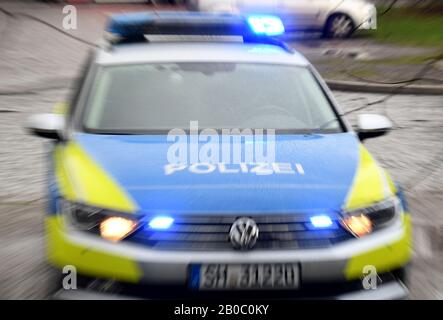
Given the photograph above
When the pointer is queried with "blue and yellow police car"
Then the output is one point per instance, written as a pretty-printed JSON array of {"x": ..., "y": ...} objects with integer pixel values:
[{"x": 201, "y": 153}]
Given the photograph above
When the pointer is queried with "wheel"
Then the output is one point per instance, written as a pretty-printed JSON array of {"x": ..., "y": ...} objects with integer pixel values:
[{"x": 339, "y": 26}]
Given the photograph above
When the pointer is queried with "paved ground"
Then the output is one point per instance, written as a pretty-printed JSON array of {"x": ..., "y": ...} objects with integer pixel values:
[{"x": 36, "y": 69}]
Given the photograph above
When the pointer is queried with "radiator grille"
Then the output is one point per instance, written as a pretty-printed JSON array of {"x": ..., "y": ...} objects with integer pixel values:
[{"x": 212, "y": 233}]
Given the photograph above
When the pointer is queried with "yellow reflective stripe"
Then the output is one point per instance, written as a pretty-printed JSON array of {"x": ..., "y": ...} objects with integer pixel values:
[
  {"x": 386, "y": 258},
  {"x": 87, "y": 260},
  {"x": 370, "y": 183},
  {"x": 65, "y": 186},
  {"x": 83, "y": 180},
  {"x": 391, "y": 183}
]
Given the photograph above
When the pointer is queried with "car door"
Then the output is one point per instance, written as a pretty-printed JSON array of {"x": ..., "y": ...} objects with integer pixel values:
[{"x": 301, "y": 14}]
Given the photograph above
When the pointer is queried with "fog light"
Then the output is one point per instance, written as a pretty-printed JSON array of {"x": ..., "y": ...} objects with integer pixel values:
[
  {"x": 161, "y": 223},
  {"x": 321, "y": 221},
  {"x": 116, "y": 228},
  {"x": 358, "y": 225}
]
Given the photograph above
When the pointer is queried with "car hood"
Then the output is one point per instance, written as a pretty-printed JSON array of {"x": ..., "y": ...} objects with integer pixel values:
[{"x": 322, "y": 169}]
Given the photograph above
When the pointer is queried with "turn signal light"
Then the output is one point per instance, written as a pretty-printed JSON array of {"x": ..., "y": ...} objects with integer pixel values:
[
  {"x": 358, "y": 225},
  {"x": 116, "y": 228}
]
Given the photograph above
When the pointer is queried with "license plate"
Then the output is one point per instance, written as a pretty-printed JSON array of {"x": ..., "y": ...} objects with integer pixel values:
[{"x": 245, "y": 276}]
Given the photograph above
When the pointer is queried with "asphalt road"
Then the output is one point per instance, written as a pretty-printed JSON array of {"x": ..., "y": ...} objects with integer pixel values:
[{"x": 36, "y": 69}]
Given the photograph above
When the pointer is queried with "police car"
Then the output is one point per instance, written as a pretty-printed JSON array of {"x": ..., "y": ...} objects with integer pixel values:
[{"x": 145, "y": 198}]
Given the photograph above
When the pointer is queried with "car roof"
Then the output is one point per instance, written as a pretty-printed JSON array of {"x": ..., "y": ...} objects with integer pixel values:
[{"x": 152, "y": 52}]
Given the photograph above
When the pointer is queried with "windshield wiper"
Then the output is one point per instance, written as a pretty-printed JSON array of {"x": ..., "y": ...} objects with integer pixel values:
[{"x": 318, "y": 130}]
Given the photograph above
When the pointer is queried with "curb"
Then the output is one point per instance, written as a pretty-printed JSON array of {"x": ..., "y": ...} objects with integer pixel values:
[{"x": 384, "y": 88}]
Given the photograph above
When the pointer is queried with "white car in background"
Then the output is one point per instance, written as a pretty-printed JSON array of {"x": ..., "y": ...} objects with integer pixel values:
[{"x": 335, "y": 18}]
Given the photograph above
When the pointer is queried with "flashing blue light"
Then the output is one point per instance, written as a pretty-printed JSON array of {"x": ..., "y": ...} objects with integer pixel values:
[
  {"x": 266, "y": 25},
  {"x": 321, "y": 221},
  {"x": 161, "y": 223},
  {"x": 135, "y": 27}
]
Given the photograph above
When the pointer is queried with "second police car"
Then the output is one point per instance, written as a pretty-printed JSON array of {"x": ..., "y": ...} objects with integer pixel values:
[{"x": 146, "y": 193}]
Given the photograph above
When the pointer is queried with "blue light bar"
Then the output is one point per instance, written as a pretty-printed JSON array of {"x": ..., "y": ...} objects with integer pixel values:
[
  {"x": 322, "y": 221},
  {"x": 134, "y": 26},
  {"x": 266, "y": 25},
  {"x": 161, "y": 223}
]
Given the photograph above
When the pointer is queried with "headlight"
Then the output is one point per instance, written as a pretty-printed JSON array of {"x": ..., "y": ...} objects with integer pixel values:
[
  {"x": 116, "y": 228},
  {"x": 109, "y": 225},
  {"x": 365, "y": 220}
]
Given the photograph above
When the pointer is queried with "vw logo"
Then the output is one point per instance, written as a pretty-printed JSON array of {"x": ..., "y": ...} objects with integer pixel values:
[{"x": 243, "y": 233}]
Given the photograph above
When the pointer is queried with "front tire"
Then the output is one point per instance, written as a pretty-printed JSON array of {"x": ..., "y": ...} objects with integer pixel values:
[{"x": 339, "y": 26}]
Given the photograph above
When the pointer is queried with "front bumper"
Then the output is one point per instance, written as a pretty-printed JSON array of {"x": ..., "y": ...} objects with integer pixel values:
[
  {"x": 389, "y": 290},
  {"x": 386, "y": 250}
]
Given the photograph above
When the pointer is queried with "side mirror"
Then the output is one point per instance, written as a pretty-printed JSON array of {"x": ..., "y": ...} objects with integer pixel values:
[
  {"x": 372, "y": 125},
  {"x": 46, "y": 125}
]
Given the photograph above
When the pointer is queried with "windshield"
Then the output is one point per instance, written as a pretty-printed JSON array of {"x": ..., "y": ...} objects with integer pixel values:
[{"x": 164, "y": 96}]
